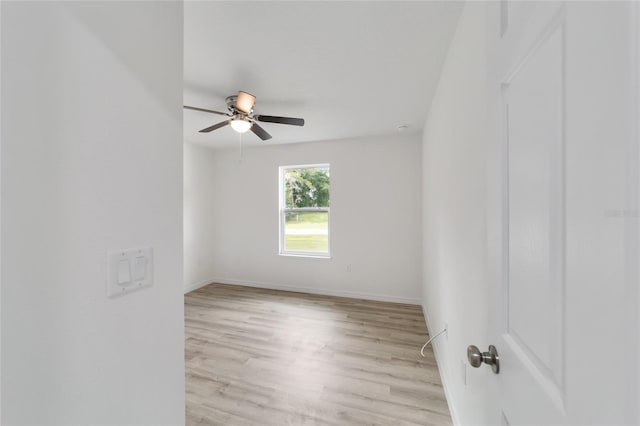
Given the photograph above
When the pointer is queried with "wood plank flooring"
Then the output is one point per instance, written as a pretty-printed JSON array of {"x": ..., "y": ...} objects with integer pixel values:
[{"x": 266, "y": 357}]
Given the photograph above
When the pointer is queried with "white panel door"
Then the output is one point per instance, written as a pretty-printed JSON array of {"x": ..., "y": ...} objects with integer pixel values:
[{"x": 564, "y": 314}]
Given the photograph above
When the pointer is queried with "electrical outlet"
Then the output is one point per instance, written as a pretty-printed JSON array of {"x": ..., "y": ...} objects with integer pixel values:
[{"x": 349, "y": 268}]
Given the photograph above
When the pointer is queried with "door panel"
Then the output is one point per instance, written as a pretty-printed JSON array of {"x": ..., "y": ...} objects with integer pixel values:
[
  {"x": 534, "y": 129},
  {"x": 532, "y": 337},
  {"x": 565, "y": 86}
]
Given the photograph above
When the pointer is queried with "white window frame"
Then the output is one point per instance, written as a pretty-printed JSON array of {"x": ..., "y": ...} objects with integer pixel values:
[{"x": 283, "y": 210}]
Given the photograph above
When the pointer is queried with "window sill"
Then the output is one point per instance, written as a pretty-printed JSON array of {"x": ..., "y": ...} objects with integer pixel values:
[{"x": 306, "y": 255}]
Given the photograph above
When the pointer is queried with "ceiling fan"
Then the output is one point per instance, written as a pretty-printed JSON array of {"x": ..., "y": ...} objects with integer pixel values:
[{"x": 241, "y": 116}]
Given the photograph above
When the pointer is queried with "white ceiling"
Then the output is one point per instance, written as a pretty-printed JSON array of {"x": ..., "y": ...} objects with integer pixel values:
[{"x": 350, "y": 69}]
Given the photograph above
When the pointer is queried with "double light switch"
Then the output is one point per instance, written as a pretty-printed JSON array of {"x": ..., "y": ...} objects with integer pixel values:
[{"x": 129, "y": 270}]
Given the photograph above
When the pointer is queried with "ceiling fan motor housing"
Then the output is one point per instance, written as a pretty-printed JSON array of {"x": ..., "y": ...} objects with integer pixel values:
[{"x": 231, "y": 103}]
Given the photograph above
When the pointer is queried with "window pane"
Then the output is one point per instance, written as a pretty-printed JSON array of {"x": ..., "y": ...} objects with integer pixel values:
[
  {"x": 306, "y": 231},
  {"x": 306, "y": 187}
]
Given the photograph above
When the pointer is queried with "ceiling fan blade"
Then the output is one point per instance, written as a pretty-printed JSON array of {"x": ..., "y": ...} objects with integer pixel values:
[
  {"x": 280, "y": 120},
  {"x": 205, "y": 110},
  {"x": 260, "y": 132},
  {"x": 245, "y": 102},
  {"x": 215, "y": 126}
]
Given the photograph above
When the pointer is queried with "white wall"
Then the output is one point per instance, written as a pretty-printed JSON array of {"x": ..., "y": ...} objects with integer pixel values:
[
  {"x": 0, "y": 217},
  {"x": 375, "y": 218},
  {"x": 91, "y": 161},
  {"x": 200, "y": 237},
  {"x": 454, "y": 213}
]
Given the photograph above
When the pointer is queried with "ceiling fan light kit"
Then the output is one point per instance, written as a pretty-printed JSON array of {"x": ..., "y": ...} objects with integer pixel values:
[
  {"x": 241, "y": 125},
  {"x": 241, "y": 116}
]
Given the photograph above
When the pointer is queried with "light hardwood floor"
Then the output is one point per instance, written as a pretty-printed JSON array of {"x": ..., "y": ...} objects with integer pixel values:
[{"x": 266, "y": 357}]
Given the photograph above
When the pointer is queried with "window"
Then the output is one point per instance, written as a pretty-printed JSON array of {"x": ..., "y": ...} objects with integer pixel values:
[{"x": 304, "y": 210}]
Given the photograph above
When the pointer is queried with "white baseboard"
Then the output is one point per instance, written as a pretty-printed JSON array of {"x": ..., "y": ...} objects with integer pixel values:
[
  {"x": 192, "y": 287},
  {"x": 321, "y": 291},
  {"x": 441, "y": 370}
]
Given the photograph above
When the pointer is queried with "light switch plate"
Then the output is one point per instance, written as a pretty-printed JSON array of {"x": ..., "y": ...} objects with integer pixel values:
[{"x": 129, "y": 270}]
